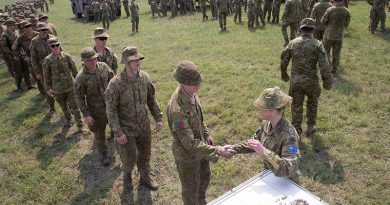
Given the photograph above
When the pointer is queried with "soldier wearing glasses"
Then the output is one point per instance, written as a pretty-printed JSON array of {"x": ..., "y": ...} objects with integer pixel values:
[{"x": 106, "y": 54}]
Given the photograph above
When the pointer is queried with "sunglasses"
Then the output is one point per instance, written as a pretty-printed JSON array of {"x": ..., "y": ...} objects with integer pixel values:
[
  {"x": 29, "y": 26},
  {"x": 102, "y": 38},
  {"x": 44, "y": 30},
  {"x": 54, "y": 46}
]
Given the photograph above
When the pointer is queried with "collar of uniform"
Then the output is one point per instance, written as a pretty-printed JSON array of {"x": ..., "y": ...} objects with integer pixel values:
[
  {"x": 61, "y": 55},
  {"x": 86, "y": 71},
  {"x": 124, "y": 75},
  {"x": 104, "y": 51},
  {"x": 268, "y": 129},
  {"x": 185, "y": 99}
]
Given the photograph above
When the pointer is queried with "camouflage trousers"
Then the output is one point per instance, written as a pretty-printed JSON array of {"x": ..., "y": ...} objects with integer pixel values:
[
  {"x": 336, "y": 46},
  {"x": 173, "y": 9},
  {"x": 136, "y": 150},
  {"x": 194, "y": 178},
  {"x": 275, "y": 13},
  {"x": 68, "y": 105},
  {"x": 298, "y": 91},
  {"x": 154, "y": 10},
  {"x": 376, "y": 16},
  {"x": 204, "y": 14},
  {"x": 222, "y": 19},
  {"x": 267, "y": 10},
  {"x": 106, "y": 22},
  {"x": 134, "y": 23},
  {"x": 8, "y": 63},
  {"x": 318, "y": 34},
  {"x": 96, "y": 16},
  {"x": 164, "y": 9},
  {"x": 99, "y": 132},
  {"x": 251, "y": 18},
  {"x": 237, "y": 13},
  {"x": 214, "y": 9},
  {"x": 293, "y": 30},
  {"x": 41, "y": 89},
  {"x": 127, "y": 10},
  {"x": 259, "y": 15},
  {"x": 21, "y": 71}
]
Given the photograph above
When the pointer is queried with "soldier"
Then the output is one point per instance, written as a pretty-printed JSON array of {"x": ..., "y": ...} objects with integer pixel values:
[
  {"x": 89, "y": 87},
  {"x": 214, "y": 9},
  {"x": 154, "y": 7},
  {"x": 316, "y": 14},
  {"x": 237, "y": 10},
  {"x": 33, "y": 21},
  {"x": 86, "y": 14},
  {"x": 46, "y": 5},
  {"x": 305, "y": 53},
  {"x": 21, "y": 49},
  {"x": 377, "y": 14},
  {"x": 259, "y": 13},
  {"x": 290, "y": 19},
  {"x": 203, "y": 7},
  {"x": 39, "y": 50},
  {"x": 126, "y": 6},
  {"x": 311, "y": 6},
  {"x": 96, "y": 11},
  {"x": 106, "y": 13},
  {"x": 222, "y": 6},
  {"x": 276, "y": 140},
  {"x": 118, "y": 8},
  {"x": 113, "y": 9},
  {"x": 192, "y": 147},
  {"x": 127, "y": 97},
  {"x": 6, "y": 40},
  {"x": 172, "y": 7},
  {"x": 134, "y": 16},
  {"x": 276, "y": 10},
  {"x": 335, "y": 19},
  {"x": 105, "y": 54},
  {"x": 251, "y": 13},
  {"x": 59, "y": 69},
  {"x": 164, "y": 7},
  {"x": 267, "y": 9},
  {"x": 44, "y": 18}
]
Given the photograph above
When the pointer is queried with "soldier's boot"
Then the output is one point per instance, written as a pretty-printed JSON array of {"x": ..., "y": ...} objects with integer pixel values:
[
  {"x": 128, "y": 196},
  {"x": 147, "y": 181},
  {"x": 311, "y": 131}
]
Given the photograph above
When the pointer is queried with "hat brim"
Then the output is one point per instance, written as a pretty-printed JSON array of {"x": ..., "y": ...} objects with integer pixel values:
[
  {"x": 259, "y": 104},
  {"x": 92, "y": 57},
  {"x": 101, "y": 35},
  {"x": 43, "y": 28},
  {"x": 306, "y": 26},
  {"x": 27, "y": 25},
  {"x": 132, "y": 58}
]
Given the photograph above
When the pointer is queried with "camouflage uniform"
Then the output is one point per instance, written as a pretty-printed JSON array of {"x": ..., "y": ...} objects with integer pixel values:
[
  {"x": 214, "y": 9},
  {"x": 96, "y": 11},
  {"x": 203, "y": 7},
  {"x": 52, "y": 29},
  {"x": 276, "y": 10},
  {"x": 89, "y": 91},
  {"x": 126, "y": 6},
  {"x": 251, "y": 13},
  {"x": 190, "y": 146},
  {"x": 172, "y": 7},
  {"x": 259, "y": 13},
  {"x": 127, "y": 100},
  {"x": 6, "y": 40},
  {"x": 164, "y": 7},
  {"x": 305, "y": 52},
  {"x": 290, "y": 18},
  {"x": 134, "y": 16},
  {"x": 106, "y": 13},
  {"x": 317, "y": 13},
  {"x": 281, "y": 143},
  {"x": 58, "y": 76},
  {"x": 154, "y": 7},
  {"x": 222, "y": 6},
  {"x": 304, "y": 9},
  {"x": 39, "y": 50},
  {"x": 335, "y": 19},
  {"x": 311, "y": 6},
  {"x": 377, "y": 14},
  {"x": 267, "y": 9},
  {"x": 237, "y": 10}
]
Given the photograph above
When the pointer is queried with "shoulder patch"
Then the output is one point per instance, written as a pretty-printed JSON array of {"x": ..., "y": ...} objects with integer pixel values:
[
  {"x": 180, "y": 124},
  {"x": 292, "y": 149}
]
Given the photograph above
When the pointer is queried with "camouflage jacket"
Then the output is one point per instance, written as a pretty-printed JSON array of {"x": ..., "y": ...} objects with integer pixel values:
[
  {"x": 52, "y": 29},
  {"x": 306, "y": 52},
  {"x": 95, "y": 7},
  {"x": 378, "y": 4},
  {"x": 281, "y": 152},
  {"x": 251, "y": 6},
  {"x": 7, "y": 39},
  {"x": 258, "y": 5},
  {"x": 134, "y": 9},
  {"x": 109, "y": 58},
  {"x": 59, "y": 73},
  {"x": 21, "y": 46},
  {"x": 292, "y": 11},
  {"x": 335, "y": 19},
  {"x": 317, "y": 13},
  {"x": 89, "y": 89},
  {"x": 105, "y": 9},
  {"x": 126, "y": 102},
  {"x": 222, "y": 5},
  {"x": 189, "y": 132},
  {"x": 39, "y": 50}
]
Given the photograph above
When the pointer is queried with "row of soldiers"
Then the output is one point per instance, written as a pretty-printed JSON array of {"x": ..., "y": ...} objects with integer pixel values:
[{"x": 105, "y": 11}]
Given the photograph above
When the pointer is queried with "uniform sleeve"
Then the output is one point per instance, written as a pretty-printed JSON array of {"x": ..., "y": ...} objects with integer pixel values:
[
  {"x": 16, "y": 49},
  {"x": 180, "y": 127},
  {"x": 286, "y": 10},
  {"x": 287, "y": 163},
  {"x": 112, "y": 104},
  {"x": 115, "y": 63},
  {"x": 72, "y": 65},
  {"x": 348, "y": 19},
  {"x": 4, "y": 46},
  {"x": 243, "y": 147},
  {"x": 34, "y": 59},
  {"x": 285, "y": 60},
  {"x": 325, "y": 17},
  {"x": 153, "y": 104},
  {"x": 80, "y": 96},
  {"x": 47, "y": 74},
  {"x": 323, "y": 64}
]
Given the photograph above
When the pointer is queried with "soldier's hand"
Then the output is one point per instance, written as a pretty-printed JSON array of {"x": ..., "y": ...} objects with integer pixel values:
[
  {"x": 256, "y": 146},
  {"x": 89, "y": 120},
  {"x": 285, "y": 77},
  {"x": 210, "y": 141},
  {"x": 121, "y": 139},
  {"x": 159, "y": 126},
  {"x": 50, "y": 93},
  {"x": 226, "y": 151},
  {"x": 39, "y": 77}
]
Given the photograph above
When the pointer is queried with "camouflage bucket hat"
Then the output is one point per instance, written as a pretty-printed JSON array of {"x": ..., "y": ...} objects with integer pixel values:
[
  {"x": 41, "y": 16},
  {"x": 187, "y": 73},
  {"x": 42, "y": 26},
  {"x": 10, "y": 22},
  {"x": 32, "y": 17},
  {"x": 130, "y": 53},
  {"x": 53, "y": 41},
  {"x": 24, "y": 24},
  {"x": 100, "y": 32},
  {"x": 307, "y": 23},
  {"x": 272, "y": 99},
  {"x": 88, "y": 53}
]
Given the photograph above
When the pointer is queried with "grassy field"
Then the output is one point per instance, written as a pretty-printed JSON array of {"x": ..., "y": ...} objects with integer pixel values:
[{"x": 347, "y": 162}]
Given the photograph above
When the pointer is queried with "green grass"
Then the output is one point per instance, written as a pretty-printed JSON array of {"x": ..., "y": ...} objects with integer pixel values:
[{"x": 346, "y": 163}]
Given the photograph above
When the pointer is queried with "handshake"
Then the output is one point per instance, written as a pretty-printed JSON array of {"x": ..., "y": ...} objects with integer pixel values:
[{"x": 226, "y": 151}]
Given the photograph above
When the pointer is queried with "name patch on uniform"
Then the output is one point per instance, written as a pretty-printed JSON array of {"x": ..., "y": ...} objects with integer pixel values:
[
  {"x": 292, "y": 149},
  {"x": 180, "y": 124}
]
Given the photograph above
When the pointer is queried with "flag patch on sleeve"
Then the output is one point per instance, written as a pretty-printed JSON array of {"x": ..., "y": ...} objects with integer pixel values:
[
  {"x": 180, "y": 124},
  {"x": 292, "y": 149}
]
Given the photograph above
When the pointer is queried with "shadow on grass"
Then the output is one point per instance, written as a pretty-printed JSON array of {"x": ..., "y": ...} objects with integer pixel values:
[
  {"x": 345, "y": 87},
  {"x": 98, "y": 179},
  {"x": 318, "y": 165},
  {"x": 35, "y": 108}
]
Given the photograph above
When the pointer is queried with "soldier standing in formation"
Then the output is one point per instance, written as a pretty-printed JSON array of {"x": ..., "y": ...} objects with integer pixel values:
[
  {"x": 95, "y": 6},
  {"x": 59, "y": 71},
  {"x": 305, "y": 52},
  {"x": 193, "y": 147},
  {"x": 276, "y": 10},
  {"x": 134, "y": 16},
  {"x": 7, "y": 38},
  {"x": 335, "y": 19},
  {"x": 203, "y": 7},
  {"x": 44, "y": 18},
  {"x": 172, "y": 7},
  {"x": 90, "y": 85},
  {"x": 290, "y": 19},
  {"x": 164, "y": 7},
  {"x": 237, "y": 4},
  {"x": 377, "y": 14},
  {"x": 259, "y": 13},
  {"x": 154, "y": 7},
  {"x": 317, "y": 13},
  {"x": 106, "y": 13},
  {"x": 214, "y": 9},
  {"x": 251, "y": 13},
  {"x": 267, "y": 9},
  {"x": 126, "y": 6}
]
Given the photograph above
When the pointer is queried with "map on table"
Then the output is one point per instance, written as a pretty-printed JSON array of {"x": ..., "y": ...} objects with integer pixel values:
[{"x": 267, "y": 189}]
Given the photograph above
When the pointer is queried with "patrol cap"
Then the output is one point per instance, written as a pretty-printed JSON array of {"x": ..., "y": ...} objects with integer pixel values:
[
  {"x": 88, "y": 53},
  {"x": 130, "y": 53},
  {"x": 100, "y": 32},
  {"x": 42, "y": 26},
  {"x": 272, "y": 99},
  {"x": 53, "y": 41},
  {"x": 187, "y": 73},
  {"x": 10, "y": 22},
  {"x": 307, "y": 23}
]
